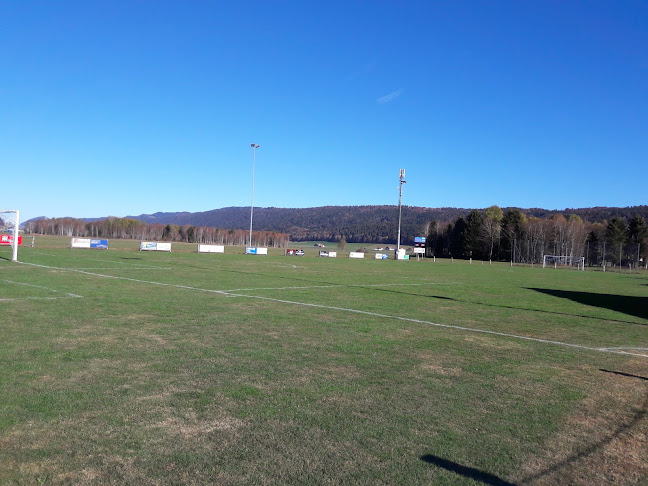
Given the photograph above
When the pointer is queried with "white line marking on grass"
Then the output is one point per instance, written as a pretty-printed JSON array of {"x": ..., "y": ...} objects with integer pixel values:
[
  {"x": 633, "y": 348},
  {"x": 67, "y": 294},
  {"x": 448, "y": 326},
  {"x": 128, "y": 263},
  {"x": 327, "y": 286},
  {"x": 41, "y": 253},
  {"x": 129, "y": 279},
  {"x": 12, "y": 299},
  {"x": 361, "y": 312},
  {"x": 120, "y": 268}
]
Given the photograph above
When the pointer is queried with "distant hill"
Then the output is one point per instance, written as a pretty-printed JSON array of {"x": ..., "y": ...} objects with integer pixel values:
[{"x": 356, "y": 223}]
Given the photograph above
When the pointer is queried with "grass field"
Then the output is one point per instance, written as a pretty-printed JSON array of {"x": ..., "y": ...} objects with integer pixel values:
[{"x": 129, "y": 367}]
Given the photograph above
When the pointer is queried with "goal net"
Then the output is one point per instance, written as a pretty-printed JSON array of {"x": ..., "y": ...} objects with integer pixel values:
[
  {"x": 9, "y": 234},
  {"x": 556, "y": 261}
]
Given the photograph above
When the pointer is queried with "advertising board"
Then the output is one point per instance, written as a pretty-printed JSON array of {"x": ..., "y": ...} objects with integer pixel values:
[
  {"x": 8, "y": 240},
  {"x": 253, "y": 250},
  {"x": 382, "y": 256},
  {"x": 328, "y": 254},
  {"x": 80, "y": 243},
  {"x": 211, "y": 249},
  {"x": 99, "y": 244},
  {"x": 356, "y": 254},
  {"x": 154, "y": 246}
]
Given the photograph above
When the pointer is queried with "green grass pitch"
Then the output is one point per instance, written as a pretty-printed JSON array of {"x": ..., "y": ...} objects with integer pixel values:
[{"x": 128, "y": 367}]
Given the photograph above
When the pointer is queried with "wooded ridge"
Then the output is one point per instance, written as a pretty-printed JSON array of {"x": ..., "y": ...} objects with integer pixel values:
[{"x": 371, "y": 224}]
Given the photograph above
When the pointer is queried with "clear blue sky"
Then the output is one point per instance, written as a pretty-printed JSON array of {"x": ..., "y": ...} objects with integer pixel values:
[{"x": 129, "y": 107}]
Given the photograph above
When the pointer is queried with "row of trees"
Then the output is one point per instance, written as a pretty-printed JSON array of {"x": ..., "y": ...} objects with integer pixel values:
[
  {"x": 492, "y": 234},
  {"x": 139, "y": 230}
]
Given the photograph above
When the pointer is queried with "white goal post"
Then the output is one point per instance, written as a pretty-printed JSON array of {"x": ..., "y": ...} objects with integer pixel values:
[
  {"x": 563, "y": 261},
  {"x": 9, "y": 232}
]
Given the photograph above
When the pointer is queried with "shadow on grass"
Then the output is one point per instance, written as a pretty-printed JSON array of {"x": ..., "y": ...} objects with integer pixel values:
[
  {"x": 624, "y": 374},
  {"x": 130, "y": 258},
  {"x": 468, "y": 472},
  {"x": 377, "y": 289},
  {"x": 626, "y": 304},
  {"x": 639, "y": 415}
]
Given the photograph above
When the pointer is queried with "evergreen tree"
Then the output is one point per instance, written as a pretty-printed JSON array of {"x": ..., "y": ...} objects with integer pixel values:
[
  {"x": 513, "y": 226},
  {"x": 472, "y": 237},
  {"x": 617, "y": 233},
  {"x": 637, "y": 234}
]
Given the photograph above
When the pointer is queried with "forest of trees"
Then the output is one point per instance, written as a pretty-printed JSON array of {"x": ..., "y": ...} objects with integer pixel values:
[
  {"x": 614, "y": 235},
  {"x": 513, "y": 236},
  {"x": 358, "y": 224},
  {"x": 139, "y": 230}
]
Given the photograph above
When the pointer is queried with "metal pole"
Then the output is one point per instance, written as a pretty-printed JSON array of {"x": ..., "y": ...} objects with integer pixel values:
[
  {"x": 16, "y": 235},
  {"x": 254, "y": 147},
  {"x": 401, "y": 179}
]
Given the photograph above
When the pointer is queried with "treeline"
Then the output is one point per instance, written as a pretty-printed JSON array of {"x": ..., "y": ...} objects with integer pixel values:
[
  {"x": 492, "y": 234},
  {"x": 358, "y": 224},
  {"x": 139, "y": 230}
]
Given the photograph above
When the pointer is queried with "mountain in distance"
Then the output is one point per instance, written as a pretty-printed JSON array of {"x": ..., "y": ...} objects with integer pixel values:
[{"x": 355, "y": 223}]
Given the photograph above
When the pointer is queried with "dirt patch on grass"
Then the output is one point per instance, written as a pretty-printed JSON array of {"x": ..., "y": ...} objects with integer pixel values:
[
  {"x": 430, "y": 362},
  {"x": 495, "y": 342},
  {"x": 440, "y": 370},
  {"x": 189, "y": 427},
  {"x": 604, "y": 441},
  {"x": 142, "y": 335}
]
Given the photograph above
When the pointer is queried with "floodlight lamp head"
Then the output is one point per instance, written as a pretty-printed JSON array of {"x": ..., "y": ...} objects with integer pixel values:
[
  {"x": 401, "y": 174},
  {"x": 254, "y": 145}
]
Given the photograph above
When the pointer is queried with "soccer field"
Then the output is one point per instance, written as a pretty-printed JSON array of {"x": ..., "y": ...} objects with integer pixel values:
[{"x": 132, "y": 367}]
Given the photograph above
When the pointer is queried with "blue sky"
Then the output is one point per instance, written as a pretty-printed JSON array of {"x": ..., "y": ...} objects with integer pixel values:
[{"x": 129, "y": 107}]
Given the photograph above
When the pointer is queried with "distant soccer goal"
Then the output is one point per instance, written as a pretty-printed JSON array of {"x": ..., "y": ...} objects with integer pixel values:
[
  {"x": 9, "y": 232},
  {"x": 556, "y": 261}
]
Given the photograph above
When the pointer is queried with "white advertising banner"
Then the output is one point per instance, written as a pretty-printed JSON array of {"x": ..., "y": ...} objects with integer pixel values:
[
  {"x": 153, "y": 246},
  {"x": 419, "y": 250},
  {"x": 211, "y": 249},
  {"x": 356, "y": 254},
  {"x": 80, "y": 243},
  {"x": 253, "y": 250}
]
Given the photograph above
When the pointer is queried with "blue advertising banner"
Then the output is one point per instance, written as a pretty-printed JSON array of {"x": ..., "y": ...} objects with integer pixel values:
[
  {"x": 250, "y": 250},
  {"x": 419, "y": 239},
  {"x": 102, "y": 244}
]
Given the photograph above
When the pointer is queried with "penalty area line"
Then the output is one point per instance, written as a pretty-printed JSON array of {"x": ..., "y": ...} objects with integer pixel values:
[
  {"x": 67, "y": 294},
  {"x": 449, "y": 326},
  {"x": 357, "y": 311}
]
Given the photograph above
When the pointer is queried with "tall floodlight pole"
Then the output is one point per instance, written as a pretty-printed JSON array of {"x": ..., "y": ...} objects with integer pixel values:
[
  {"x": 401, "y": 179},
  {"x": 254, "y": 147}
]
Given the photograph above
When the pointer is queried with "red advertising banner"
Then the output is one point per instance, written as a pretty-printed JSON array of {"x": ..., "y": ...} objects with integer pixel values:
[{"x": 8, "y": 240}]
